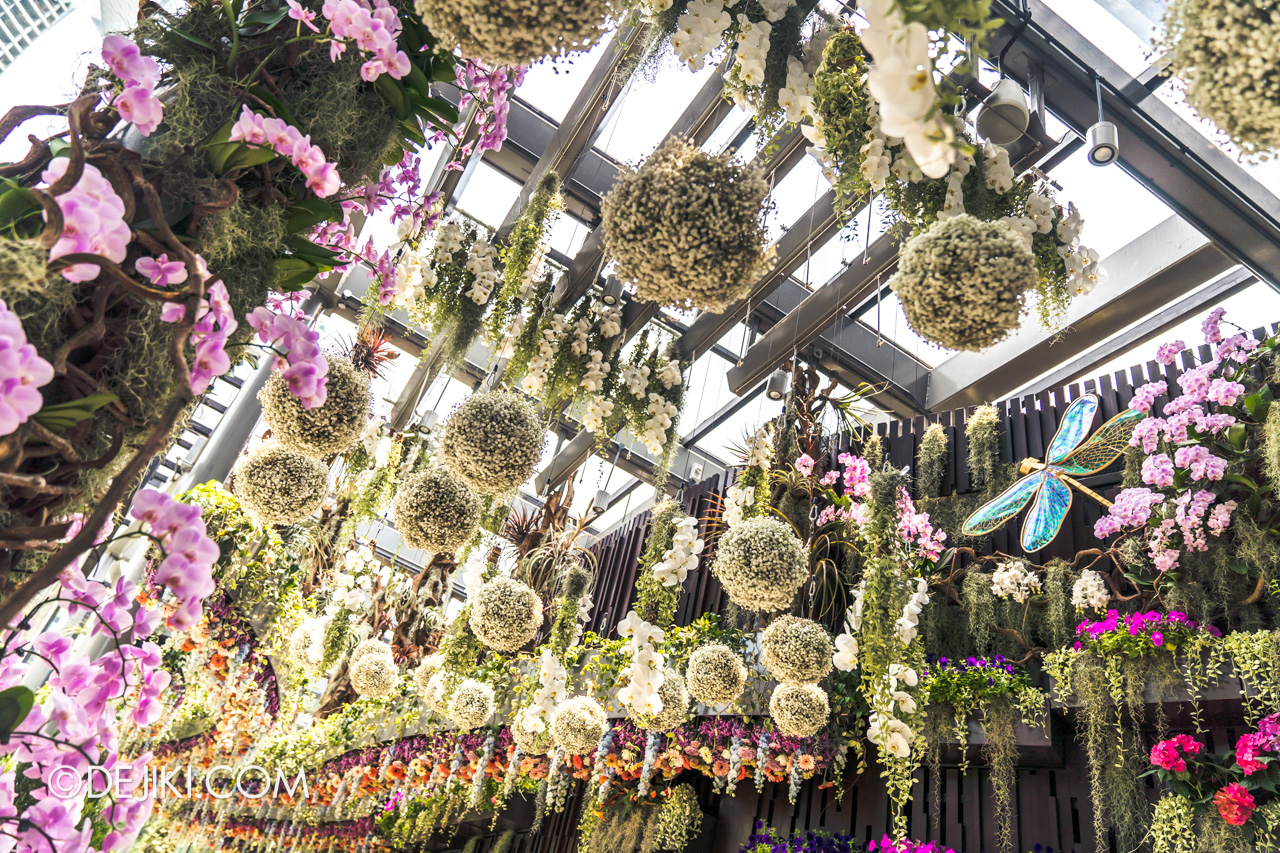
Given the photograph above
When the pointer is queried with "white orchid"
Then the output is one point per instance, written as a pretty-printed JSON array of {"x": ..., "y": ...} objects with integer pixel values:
[{"x": 845, "y": 658}]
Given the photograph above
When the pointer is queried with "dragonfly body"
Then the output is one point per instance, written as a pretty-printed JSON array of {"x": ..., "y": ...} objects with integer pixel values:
[{"x": 1047, "y": 485}]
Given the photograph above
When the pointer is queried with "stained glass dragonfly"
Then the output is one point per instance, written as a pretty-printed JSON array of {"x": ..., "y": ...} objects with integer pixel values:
[{"x": 1049, "y": 483}]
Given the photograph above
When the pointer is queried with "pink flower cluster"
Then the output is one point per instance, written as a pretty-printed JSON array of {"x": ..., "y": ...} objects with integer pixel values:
[
  {"x": 22, "y": 371},
  {"x": 92, "y": 220},
  {"x": 1168, "y": 352},
  {"x": 1250, "y": 748},
  {"x": 857, "y": 513},
  {"x": 287, "y": 141},
  {"x": 189, "y": 553},
  {"x": 75, "y": 725},
  {"x": 857, "y": 475},
  {"x": 1132, "y": 508},
  {"x": 805, "y": 465},
  {"x": 492, "y": 91},
  {"x": 215, "y": 321},
  {"x": 1168, "y": 753},
  {"x": 1151, "y": 624},
  {"x": 373, "y": 29},
  {"x": 915, "y": 528},
  {"x": 906, "y": 845},
  {"x": 140, "y": 74},
  {"x": 298, "y": 354},
  {"x": 1144, "y": 396}
]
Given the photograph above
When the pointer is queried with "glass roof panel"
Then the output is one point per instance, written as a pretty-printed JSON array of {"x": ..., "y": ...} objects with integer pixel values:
[
  {"x": 488, "y": 195},
  {"x": 646, "y": 110},
  {"x": 1116, "y": 208},
  {"x": 1122, "y": 29},
  {"x": 551, "y": 87}
]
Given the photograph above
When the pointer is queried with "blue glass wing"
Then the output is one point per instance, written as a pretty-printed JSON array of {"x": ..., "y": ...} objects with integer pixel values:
[
  {"x": 1104, "y": 446},
  {"x": 1046, "y": 515},
  {"x": 1074, "y": 427},
  {"x": 1006, "y": 505}
]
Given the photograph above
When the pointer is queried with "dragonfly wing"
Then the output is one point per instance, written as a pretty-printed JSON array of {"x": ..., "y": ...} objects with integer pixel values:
[
  {"x": 1074, "y": 427},
  {"x": 1046, "y": 515},
  {"x": 1006, "y": 505},
  {"x": 1102, "y": 448}
]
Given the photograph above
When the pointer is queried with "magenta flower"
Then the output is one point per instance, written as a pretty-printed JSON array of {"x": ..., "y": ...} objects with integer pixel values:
[
  {"x": 302, "y": 15},
  {"x": 161, "y": 271},
  {"x": 1168, "y": 352},
  {"x": 22, "y": 373}
]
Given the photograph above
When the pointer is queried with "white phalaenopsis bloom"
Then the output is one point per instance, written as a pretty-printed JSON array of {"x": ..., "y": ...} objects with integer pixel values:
[
  {"x": 644, "y": 676},
  {"x": 597, "y": 370},
  {"x": 901, "y": 79},
  {"x": 1014, "y": 579},
  {"x": 899, "y": 672},
  {"x": 449, "y": 238},
  {"x": 908, "y": 624},
  {"x": 581, "y": 331},
  {"x": 736, "y": 503},
  {"x": 699, "y": 31},
  {"x": 682, "y": 556},
  {"x": 636, "y": 379},
  {"x": 760, "y": 451},
  {"x": 482, "y": 263},
  {"x": 999, "y": 170},
  {"x": 845, "y": 658},
  {"x": 669, "y": 375},
  {"x": 890, "y": 733},
  {"x": 551, "y": 691},
  {"x": 610, "y": 320},
  {"x": 413, "y": 275},
  {"x": 662, "y": 414},
  {"x": 598, "y": 411},
  {"x": 1090, "y": 591}
]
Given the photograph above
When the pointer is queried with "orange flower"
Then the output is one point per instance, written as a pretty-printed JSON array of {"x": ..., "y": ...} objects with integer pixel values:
[
  {"x": 807, "y": 762},
  {"x": 395, "y": 771}
]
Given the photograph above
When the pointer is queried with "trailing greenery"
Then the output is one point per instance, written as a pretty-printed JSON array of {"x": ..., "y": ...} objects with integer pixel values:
[
  {"x": 445, "y": 310},
  {"x": 520, "y": 253},
  {"x": 655, "y": 602},
  {"x": 841, "y": 102},
  {"x": 931, "y": 461}
]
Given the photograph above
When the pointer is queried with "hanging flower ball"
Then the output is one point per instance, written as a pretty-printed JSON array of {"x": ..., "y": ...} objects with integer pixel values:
[
  {"x": 435, "y": 511},
  {"x": 276, "y": 485},
  {"x": 675, "y": 705},
  {"x": 505, "y": 614},
  {"x": 375, "y": 675},
  {"x": 516, "y": 32},
  {"x": 578, "y": 725},
  {"x": 369, "y": 647},
  {"x": 493, "y": 441},
  {"x": 531, "y": 733},
  {"x": 306, "y": 644},
  {"x": 963, "y": 282},
  {"x": 329, "y": 428},
  {"x": 687, "y": 227},
  {"x": 423, "y": 673},
  {"x": 798, "y": 710},
  {"x": 716, "y": 674},
  {"x": 761, "y": 564},
  {"x": 795, "y": 649},
  {"x": 1224, "y": 52},
  {"x": 472, "y": 704}
]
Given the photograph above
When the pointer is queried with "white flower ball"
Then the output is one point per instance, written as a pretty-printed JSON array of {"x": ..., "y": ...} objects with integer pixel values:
[
  {"x": 799, "y": 710},
  {"x": 332, "y": 427},
  {"x": 505, "y": 614},
  {"x": 374, "y": 675},
  {"x": 716, "y": 674},
  {"x": 963, "y": 282},
  {"x": 795, "y": 649},
  {"x": 493, "y": 441},
  {"x": 471, "y": 705},
  {"x": 435, "y": 511},
  {"x": 761, "y": 564},
  {"x": 276, "y": 485},
  {"x": 578, "y": 724},
  {"x": 675, "y": 705}
]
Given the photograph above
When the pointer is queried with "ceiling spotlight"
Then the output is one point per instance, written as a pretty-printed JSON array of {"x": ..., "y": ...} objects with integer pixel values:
[
  {"x": 1004, "y": 115},
  {"x": 429, "y": 419},
  {"x": 778, "y": 384},
  {"x": 612, "y": 293},
  {"x": 1103, "y": 138}
]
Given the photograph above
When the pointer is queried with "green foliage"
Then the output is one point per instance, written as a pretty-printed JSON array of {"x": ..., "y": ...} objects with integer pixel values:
[
  {"x": 873, "y": 449},
  {"x": 841, "y": 102},
  {"x": 654, "y": 602},
  {"x": 982, "y": 432},
  {"x": 445, "y": 311},
  {"x": 529, "y": 232},
  {"x": 577, "y": 579}
]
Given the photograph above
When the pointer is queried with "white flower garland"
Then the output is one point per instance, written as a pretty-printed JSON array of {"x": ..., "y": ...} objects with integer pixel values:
[
  {"x": 908, "y": 624},
  {"x": 597, "y": 370},
  {"x": 482, "y": 263},
  {"x": 662, "y": 414},
  {"x": 552, "y": 690},
  {"x": 682, "y": 556},
  {"x": 598, "y": 411},
  {"x": 736, "y": 503},
  {"x": 845, "y": 657},
  {"x": 645, "y": 675}
]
